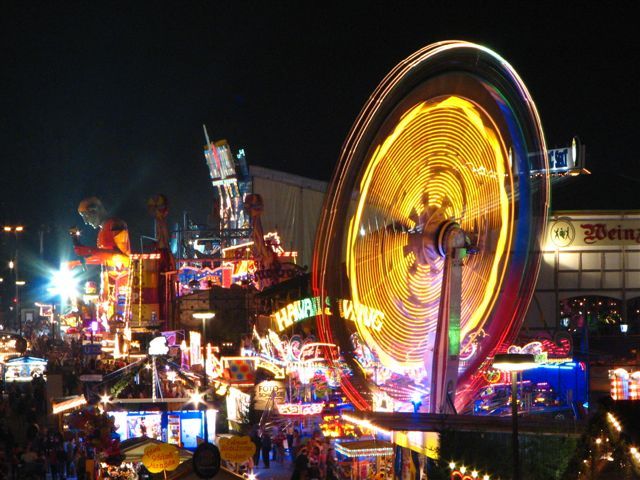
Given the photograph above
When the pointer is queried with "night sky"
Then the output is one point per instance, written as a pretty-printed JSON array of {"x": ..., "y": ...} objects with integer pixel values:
[{"x": 109, "y": 99}]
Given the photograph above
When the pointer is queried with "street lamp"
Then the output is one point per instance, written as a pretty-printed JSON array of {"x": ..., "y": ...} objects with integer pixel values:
[
  {"x": 13, "y": 264},
  {"x": 514, "y": 363},
  {"x": 204, "y": 316}
]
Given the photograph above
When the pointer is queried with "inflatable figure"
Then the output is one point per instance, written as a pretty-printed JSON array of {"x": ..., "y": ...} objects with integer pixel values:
[
  {"x": 112, "y": 252},
  {"x": 112, "y": 245}
]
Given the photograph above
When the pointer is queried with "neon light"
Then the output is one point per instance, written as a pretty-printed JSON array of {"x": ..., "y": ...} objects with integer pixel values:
[
  {"x": 302, "y": 409},
  {"x": 195, "y": 356},
  {"x": 305, "y": 308}
]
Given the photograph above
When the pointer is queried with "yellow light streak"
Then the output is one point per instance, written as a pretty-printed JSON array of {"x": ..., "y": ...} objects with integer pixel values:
[{"x": 445, "y": 159}]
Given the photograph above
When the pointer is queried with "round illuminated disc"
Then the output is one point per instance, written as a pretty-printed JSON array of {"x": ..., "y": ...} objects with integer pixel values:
[{"x": 450, "y": 135}]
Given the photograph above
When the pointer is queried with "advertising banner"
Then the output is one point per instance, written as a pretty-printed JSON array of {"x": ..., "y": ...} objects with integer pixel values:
[
  {"x": 569, "y": 232},
  {"x": 264, "y": 390}
]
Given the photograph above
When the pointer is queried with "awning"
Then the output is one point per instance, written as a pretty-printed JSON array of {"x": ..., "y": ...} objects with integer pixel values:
[{"x": 365, "y": 448}]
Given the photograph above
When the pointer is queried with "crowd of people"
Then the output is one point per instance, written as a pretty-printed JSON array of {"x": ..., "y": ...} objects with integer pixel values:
[
  {"x": 310, "y": 457},
  {"x": 28, "y": 450}
]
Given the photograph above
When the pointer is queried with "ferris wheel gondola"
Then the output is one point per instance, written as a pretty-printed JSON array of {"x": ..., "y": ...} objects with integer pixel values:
[{"x": 433, "y": 219}]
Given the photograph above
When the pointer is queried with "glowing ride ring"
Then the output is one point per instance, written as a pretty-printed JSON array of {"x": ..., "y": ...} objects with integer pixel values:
[{"x": 449, "y": 137}]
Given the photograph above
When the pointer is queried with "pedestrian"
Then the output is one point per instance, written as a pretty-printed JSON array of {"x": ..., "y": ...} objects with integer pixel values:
[
  {"x": 81, "y": 464},
  {"x": 279, "y": 442},
  {"x": 331, "y": 465},
  {"x": 266, "y": 448},
  {"x": 300, "y": 465},
  {"x": 295, "y": 444},
  {"x": 255, "y": 438},
  {"x": 314, "y": 464},
  {"x": 289, "y": 431}
]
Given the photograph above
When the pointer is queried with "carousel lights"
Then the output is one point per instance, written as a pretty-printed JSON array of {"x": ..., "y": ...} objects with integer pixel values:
[
  {"x": 105, "y": 398},
  {"x": 449, "y": 131}
]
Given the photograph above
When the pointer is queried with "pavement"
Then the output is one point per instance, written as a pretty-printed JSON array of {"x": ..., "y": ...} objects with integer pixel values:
[{"x": 276, "y": 471}]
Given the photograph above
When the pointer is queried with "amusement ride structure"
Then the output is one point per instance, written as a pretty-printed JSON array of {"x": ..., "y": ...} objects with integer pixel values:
[{"x": 433, "y": 220}]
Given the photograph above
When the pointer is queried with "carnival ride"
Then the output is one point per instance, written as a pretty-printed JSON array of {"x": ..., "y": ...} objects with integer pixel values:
[
  {"x": 234, "y": 249},
  {"x": 433, "y": 217}
]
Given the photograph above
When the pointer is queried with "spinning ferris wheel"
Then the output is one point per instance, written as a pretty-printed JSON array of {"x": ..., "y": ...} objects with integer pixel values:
[{"x": 431, "y": 227}]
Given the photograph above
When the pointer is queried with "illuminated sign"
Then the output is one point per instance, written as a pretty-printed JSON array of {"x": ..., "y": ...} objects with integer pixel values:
[
  {"x": 264, "y": 391},
  {"x": 277, "y": 371},
  {"x": 302, "y": 309},
  {"x": 364, "y": 315},
  {"x": 298, "y": 311},
  {"x": 587, "y": 232},
  {"x": 195, "y": 357},
  {"x": 566, "y": 160},
  {"x": 303, "y": 409},
  {"x": 546, "y": 350},
  {"x": 236, "y": 449},
  {"x": 160, "y": 458}
]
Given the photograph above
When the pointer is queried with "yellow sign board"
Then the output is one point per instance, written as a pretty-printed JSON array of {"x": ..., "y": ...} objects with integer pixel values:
[
  {"x": 236, "y": 449},
  {"x": 162, "y": 457}
]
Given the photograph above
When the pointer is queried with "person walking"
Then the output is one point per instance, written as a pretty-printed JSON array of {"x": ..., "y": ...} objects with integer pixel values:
[
  {"x": 279, "y": 446},
  {"x": 266, "y": 448},
  {"x": 295, "y": 444},
  {"x": 301, "y": 465},
  {"x": 255, "y": 438}
]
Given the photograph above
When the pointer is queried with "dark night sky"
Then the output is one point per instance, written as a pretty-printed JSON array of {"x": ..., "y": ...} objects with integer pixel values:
[{"x": 108, "y": 98}]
